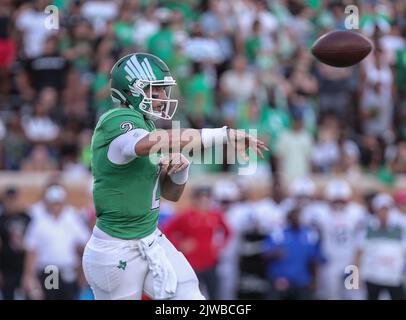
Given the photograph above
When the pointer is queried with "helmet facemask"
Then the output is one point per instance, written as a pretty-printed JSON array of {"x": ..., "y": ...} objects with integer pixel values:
[{"x": 145, "y": 88}]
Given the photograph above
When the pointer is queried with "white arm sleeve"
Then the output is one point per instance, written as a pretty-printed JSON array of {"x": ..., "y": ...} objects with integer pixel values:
[{"x": 122, "y": 149}]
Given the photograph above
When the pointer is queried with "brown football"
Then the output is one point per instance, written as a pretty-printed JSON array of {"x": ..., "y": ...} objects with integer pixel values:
[{"x": 341, "y": 48}]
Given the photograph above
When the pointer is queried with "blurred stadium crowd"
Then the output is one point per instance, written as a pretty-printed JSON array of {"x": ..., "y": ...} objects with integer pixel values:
[
  {"x": 301, "y": 244},
  {"x": 243, "y": 63}
]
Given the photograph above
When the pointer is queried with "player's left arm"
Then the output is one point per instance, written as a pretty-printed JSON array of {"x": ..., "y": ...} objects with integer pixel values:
[{"x": 174, "y": 175}]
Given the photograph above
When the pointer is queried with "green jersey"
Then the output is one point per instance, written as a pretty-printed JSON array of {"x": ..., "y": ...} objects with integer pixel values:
[{"x": 126, "y": 197}]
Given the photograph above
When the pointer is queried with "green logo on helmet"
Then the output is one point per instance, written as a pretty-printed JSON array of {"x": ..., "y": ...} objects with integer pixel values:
[{"x": 138, "y": 70}]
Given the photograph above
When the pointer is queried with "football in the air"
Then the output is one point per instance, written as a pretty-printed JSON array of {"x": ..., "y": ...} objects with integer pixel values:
[{"x": 341, "y": 48}]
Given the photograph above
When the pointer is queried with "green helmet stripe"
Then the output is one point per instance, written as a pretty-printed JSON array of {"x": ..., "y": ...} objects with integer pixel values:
[
  {"x": 148, "y": 67},
  {"x": 139, "y": 68}
]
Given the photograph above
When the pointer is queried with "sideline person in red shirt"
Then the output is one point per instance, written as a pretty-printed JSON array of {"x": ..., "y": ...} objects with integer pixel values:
[{"x": 200, "y": 233}]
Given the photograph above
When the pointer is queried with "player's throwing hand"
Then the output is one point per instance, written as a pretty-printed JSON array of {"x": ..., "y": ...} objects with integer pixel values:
[{"x": 242, "y": 141}]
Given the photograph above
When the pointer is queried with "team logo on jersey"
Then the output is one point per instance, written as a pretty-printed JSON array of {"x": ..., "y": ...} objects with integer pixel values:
[
  {"x": 126, "y": 126},
  {"x": 122, "y": 264},
  {"x": 138, "y": 70}
]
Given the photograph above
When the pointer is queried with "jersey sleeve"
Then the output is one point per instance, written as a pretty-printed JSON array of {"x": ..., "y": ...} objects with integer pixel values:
[
  {"x": 122, "y": 149},
  {"x": 120, "y": 122},
  {"x": 119, "y": 130}
]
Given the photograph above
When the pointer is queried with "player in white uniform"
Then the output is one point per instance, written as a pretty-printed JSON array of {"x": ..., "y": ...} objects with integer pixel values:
[
  {"x": 340, "y": 223},
  {"x": 227, "y": 195},
  {"x": 303, "y": 195}
]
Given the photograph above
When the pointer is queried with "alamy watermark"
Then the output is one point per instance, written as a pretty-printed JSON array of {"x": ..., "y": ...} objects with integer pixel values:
[
  {"x": 352, "y": 280},
  {"x": 51, "y": 281},
  {"x": 221, "y": 153},
  {"x": 52, "y": 17},
  {"x": 352, "y": 20}
]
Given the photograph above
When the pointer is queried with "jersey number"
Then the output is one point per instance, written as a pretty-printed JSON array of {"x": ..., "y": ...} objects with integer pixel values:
[
  {"x": 341, "y": 236},
  {"x": 155, "y": 199}
]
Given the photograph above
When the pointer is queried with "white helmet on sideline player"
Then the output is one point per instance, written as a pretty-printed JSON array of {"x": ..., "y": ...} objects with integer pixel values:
[{"x": 338, "y": 190}]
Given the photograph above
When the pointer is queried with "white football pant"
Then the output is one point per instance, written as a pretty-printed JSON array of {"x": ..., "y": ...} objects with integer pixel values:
[{"x": 117, "y": 269}]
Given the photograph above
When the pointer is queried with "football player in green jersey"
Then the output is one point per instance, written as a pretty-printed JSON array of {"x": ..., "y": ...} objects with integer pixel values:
[{"x": 127, "y": 255}]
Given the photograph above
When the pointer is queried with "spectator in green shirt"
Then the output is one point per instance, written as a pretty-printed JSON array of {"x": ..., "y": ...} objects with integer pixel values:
[
  {"x": 124, "y": 27},
  {"x": 400, "y": 68},
  {"x": 182, "y": 70},
  {"x": 77, "y": 46},
  {"x": 253, "y": 43},
  {"x": 101, "y": 87},
  {"x": 254, "y": 116},
  {"x": 187, "y": 7},
  {"x": 200, "y": 97},
  {"x": 162, "y": 43}
]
